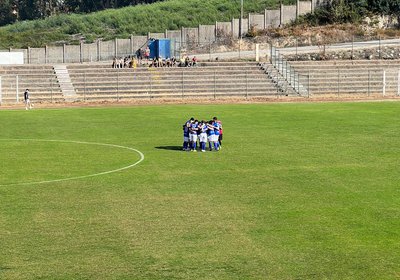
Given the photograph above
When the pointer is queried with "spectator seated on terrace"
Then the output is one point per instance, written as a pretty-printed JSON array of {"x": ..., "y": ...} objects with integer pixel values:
[
  {"x": 194, "y": 61},
  {"x": 170, "y": 62},
  {"x": 173, "y": 61},
  {"x": 181, "y": 62},
  {"x": 117, "y": 62},
  {"x": 126, "y": 62},
  {"x": 162, "y": 62},
  {"x": 187, "y": 62},
  {"x": 133, "y": 62},
  {"x": 154, "y": 63}
]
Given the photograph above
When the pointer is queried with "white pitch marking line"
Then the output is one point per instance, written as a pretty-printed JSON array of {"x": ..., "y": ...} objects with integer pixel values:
[{"x": 78, "y": 177}]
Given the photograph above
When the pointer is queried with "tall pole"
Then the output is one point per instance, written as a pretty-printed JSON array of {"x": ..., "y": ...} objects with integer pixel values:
[
  {"x": 240, "y": 26},
  {"x": 240, "y": 19},
  {"x": 1, "y": 94}
]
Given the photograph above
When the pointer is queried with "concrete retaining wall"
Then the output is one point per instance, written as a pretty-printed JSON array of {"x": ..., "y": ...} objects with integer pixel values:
[
  {"x": 223, "y": 29},
  {"x": 272, "y": 18},
  {"x": 190, "y": 35},
  {"x": 288, "y": 13},
  {"x": 157, "y": 35},
  {"x": 304, "y": 7},
  {"x": 124, "y": 47},
  {"x": 186, "y": 37},
  {"x": 206, "y": 33},
  {"x": 257, "y": 21},
  {"x": 235, "y": 27},
  {"x": 138, "y": 42},
  {"x": 89, "y": 52}
]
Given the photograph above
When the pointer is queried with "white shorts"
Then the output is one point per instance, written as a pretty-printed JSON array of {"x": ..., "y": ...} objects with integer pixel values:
[
  {"x": 210, "y": 138},
  {"x": 193, "y": 137},
  {"x": 185, "y": 139},
  {"x": 203, "y": 137},
  {"x": 216, "y": 138}
]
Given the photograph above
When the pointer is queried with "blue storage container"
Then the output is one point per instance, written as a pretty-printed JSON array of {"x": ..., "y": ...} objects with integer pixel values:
[
  {"x": 160, "y": 48},
  {"x": 152, "y": 47}
]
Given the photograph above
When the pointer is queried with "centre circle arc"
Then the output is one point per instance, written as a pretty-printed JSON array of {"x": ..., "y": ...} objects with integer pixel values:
[{"x": 141, "y": 155}]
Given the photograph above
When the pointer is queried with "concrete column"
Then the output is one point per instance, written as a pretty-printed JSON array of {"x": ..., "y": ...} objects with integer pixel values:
[
  {"x": 131, "y": 44},
  {"x": 166, "y": 34},
  {"x": 281, "y": 15},
  {"x": 63, "y": 55},
  {"x": 198, "y": 34},
  {"x": 81, "y": 52},
  {"x": 257, "y": 52},
  {"x": 46, "y": 54},
  {"x": 265, "y": 18},
  {"x": 233, "y": 29},
  {"x": 29, "y": 55},
  {"x": 98, "y": 50},
  {"x": 297, "y": 9},
  {"x": 249, "y": 23},
  {"x": 116, "y": 47},
  {"x": 182, "y": 39}
]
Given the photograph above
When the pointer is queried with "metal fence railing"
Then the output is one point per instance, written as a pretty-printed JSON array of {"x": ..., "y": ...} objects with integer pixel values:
[
  {"x": 12, "y": 87},
  {"x": 329, "y": 80},
  {"x": 170, "y": 83},
  {"x": 346, "y": 82},
  {"x": 288, "y": 73}
]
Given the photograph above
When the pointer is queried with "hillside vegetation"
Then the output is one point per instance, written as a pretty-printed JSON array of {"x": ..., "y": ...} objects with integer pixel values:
[{"x": 120, "y": 23}]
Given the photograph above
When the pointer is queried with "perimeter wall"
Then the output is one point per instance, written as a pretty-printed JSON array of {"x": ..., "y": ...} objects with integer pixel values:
[{"x": 182, "y": 39}]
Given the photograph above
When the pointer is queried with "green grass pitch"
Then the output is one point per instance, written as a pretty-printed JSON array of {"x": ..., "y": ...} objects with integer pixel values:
[{"x": 298, "y": 191}]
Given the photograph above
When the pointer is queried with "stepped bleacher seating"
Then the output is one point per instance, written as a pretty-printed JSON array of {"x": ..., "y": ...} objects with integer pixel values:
[
  {"x": 350, "y": 78},
  {"x": 40, "y": 79},
  {"x": 209, "y": 80},
  {"x": 98, "y": 81}
]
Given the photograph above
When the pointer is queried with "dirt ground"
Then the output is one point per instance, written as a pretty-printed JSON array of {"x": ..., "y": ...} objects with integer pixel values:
[{"x": 161, "y": 102}]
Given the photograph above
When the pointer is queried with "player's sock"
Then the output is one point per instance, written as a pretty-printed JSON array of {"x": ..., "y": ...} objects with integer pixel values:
[
  {"x": 216, "y": 145},
  {"x": 209, "y": 145},
  {"x": 194, "y": 145},
  {"x": 185, "y": 145}
]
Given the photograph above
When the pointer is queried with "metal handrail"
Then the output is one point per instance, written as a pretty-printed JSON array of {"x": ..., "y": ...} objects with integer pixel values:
[{"x": 291, "y": 76}]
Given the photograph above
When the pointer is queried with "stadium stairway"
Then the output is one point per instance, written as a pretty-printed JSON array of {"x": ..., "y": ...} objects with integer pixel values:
[
  {"x": 208, "y": 80},
  {"x": 39, "y": 79},
  {"x": 66, "y": 85},
  {"x": 350, "y": 78}
]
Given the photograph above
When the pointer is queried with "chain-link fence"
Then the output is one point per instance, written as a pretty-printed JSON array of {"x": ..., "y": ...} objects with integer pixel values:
[
  {"x": 348, "y": 83},
  {"x": 173, "y": 83},
  {"x": 42, "y": 89},
  {"x": 349, "y": 48}
]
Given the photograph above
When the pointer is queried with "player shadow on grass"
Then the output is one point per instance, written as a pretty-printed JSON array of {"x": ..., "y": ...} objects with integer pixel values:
[{"x": 172, "y": 148}]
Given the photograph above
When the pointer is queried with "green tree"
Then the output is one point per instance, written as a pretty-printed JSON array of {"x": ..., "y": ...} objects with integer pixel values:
[
  {"x": 381, "y": 7},
  {"x": 6, "y": 12}
]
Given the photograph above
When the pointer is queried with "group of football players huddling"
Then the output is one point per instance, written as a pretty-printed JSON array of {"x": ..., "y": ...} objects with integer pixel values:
[{"x": 203, "y": 131}]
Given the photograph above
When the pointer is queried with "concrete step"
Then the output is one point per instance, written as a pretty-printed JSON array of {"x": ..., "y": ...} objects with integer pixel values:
[{"x": 64, "y": 80}]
